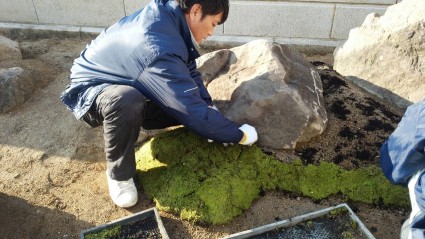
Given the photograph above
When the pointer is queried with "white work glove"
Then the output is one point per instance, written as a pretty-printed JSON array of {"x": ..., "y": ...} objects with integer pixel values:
[{"x": 249, "y": 135}]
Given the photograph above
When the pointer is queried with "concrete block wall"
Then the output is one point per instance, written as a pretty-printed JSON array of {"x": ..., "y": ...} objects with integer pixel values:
[{"x": 308, "y": 22}]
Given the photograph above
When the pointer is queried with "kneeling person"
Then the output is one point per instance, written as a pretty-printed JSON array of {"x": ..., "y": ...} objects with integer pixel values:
[{"x": 141, "y": 72}]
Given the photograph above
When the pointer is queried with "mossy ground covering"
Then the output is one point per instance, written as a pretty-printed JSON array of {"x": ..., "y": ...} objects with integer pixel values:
[
  {"x": 112, "y": 232},
  {"x": 210, "y": 183}
]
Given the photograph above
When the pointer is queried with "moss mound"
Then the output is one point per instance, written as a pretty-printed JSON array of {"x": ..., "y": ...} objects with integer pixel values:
[{"x": 207, "y": 182}]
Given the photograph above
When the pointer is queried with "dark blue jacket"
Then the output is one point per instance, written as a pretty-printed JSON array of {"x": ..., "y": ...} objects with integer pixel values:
[{"x": 152, "y": 51}]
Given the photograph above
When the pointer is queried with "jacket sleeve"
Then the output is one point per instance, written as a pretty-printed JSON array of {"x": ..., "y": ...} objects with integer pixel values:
[
  {"x": 196, "y": 76},
  {"x": 402, "y": 154},
  {"x": 168, "y": 83}
]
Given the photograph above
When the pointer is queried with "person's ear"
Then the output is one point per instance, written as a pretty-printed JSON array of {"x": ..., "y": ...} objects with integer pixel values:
[{"x": 195, "y": 10}]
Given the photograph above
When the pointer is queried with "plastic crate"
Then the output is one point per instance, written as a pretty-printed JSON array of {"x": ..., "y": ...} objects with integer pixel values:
[
  {"x": 144, "y": 224},
  {"x": 333, "y": 222}
]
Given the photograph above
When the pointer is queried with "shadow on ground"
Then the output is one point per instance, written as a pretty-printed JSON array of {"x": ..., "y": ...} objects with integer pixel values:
[{"x": 20, "y": 219}]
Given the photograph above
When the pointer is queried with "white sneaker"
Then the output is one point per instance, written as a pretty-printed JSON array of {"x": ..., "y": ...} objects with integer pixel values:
[{"x": 123, "y": 193}]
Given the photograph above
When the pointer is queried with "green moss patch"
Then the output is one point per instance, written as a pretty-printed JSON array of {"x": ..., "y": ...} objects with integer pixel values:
[
  {"x": 207, "y": 182},
  {"x": 112, "y": 232}
]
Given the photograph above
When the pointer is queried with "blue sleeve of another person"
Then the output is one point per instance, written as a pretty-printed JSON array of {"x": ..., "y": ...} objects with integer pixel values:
[{"x": 402, "y": 154}]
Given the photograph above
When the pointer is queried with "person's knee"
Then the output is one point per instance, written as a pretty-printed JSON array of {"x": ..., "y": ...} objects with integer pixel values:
[{"x": 128, "y": 105}]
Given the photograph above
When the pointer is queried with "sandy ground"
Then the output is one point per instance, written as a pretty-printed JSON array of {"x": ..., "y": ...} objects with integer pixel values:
[{"x": 52, "y": 180}]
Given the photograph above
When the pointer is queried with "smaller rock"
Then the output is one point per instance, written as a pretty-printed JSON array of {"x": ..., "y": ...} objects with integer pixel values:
[
  {"x": 15, "y": 87},
  {"x": 9, "y": 50}
]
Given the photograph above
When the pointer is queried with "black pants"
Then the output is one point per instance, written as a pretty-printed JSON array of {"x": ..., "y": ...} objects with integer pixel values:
[{"x": 123, "y": 110}]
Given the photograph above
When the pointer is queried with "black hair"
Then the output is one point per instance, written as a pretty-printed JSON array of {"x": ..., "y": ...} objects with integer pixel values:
[{"x": 209, "y": 7}]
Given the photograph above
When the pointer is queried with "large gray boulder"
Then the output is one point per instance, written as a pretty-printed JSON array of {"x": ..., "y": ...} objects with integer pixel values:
[
  {"x": 386, "y": 55},
  {"x": 9, "y": 50},
  {"x": 16, "y": 86},
  {"x": 269, "y": 86}
]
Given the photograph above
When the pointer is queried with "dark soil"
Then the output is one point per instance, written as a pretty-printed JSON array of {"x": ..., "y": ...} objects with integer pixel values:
[
  {"x": 358, "y": 124},
  {"x": 147, "y": 228}
]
